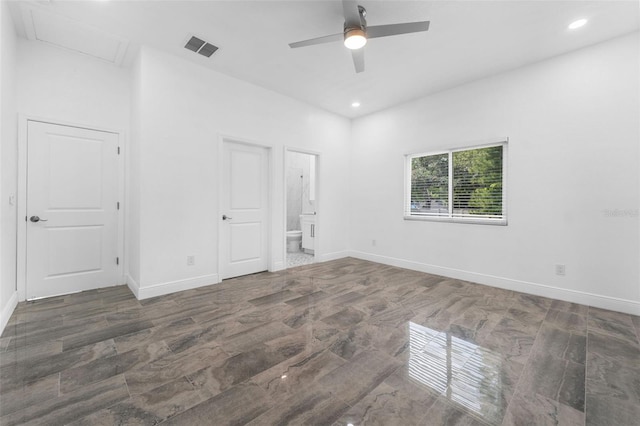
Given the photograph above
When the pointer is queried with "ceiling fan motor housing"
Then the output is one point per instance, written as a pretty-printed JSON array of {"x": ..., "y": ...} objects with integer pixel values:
[
  {"x": 363, "y": 12},
  {"x": 351, "y": 30},
  {"x": 363, "y": 22}
]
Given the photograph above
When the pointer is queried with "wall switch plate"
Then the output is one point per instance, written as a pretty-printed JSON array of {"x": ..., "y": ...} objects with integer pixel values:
[
  {"x": 191, "y": 260},
  {"x": 560, "y": 269},
  {"x": 373, "y": 243}
]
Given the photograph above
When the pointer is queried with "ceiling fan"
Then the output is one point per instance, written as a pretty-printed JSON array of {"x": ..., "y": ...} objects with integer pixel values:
[{"x": 356, "y": 32}]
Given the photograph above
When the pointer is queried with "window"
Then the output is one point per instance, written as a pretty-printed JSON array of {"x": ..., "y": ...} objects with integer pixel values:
[{"x": 462, "y": 185}]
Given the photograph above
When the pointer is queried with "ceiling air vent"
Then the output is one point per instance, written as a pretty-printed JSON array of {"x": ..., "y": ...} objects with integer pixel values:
[{"x": 200, "y": 46}]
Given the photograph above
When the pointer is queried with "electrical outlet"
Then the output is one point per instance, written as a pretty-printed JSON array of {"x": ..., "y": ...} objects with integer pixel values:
[
  {"x": 560, "y": 269},
  {"x": 191, "y": 260},
  {"x": 373, "y": 243}
]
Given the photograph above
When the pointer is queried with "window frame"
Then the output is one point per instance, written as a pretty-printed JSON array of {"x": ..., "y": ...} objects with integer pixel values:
[{"x": 502, "y": 221}]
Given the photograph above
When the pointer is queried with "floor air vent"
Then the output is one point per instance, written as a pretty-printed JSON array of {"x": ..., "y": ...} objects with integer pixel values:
[{"x": 200, "y": 46}]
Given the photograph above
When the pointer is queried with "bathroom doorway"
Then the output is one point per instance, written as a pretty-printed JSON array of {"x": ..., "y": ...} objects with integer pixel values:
[{"x": 301, "y": 208}]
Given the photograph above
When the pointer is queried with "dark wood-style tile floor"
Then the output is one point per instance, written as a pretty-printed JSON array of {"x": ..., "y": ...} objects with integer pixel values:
[{"x": 337, "y": 343}]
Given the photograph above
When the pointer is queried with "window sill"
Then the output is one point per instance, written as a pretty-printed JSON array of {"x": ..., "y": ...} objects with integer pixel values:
[{"x": 469, "y": 220}]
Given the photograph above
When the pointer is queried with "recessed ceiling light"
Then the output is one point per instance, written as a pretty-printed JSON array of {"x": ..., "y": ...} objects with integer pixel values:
[
  {"x": 355, "y": 104},
  {"x": 577, "y": 24}
]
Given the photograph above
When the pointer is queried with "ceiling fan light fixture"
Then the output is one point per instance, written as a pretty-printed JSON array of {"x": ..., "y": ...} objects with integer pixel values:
[{"x": 355, "y": 38}]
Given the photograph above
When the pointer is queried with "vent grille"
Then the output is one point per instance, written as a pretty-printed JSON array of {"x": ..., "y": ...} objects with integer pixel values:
[
  {"x": 208, "y": 49},
  {"x": 201, "y": 47},
  {"x": 195, "y": 44}
]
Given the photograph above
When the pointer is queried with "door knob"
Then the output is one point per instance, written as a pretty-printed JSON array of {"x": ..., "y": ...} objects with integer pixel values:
[
  {"x": 225, "y": 217},
  {"x": 37, "y": 219}
]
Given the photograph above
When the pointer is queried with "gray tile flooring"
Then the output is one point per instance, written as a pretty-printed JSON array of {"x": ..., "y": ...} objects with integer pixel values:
[
  {"x": 335, "y": 343},
  {"x": 299, "y": 259}
]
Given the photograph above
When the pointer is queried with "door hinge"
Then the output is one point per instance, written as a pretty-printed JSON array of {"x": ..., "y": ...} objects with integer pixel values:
[
  {"x": 118, "y": 150},
  {"x": 118, "y": 205},
  {"x": 117, "y": 260}
]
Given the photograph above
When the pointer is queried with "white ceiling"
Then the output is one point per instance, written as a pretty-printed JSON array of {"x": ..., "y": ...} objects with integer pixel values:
[{"x": 467, "y": 40}]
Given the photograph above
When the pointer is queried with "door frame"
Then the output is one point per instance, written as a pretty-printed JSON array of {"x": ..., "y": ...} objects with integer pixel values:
[
  {"x": 271, "y": 266},
  {"x": 21, "y": 238},
  {"x": 317, "y": 250}
]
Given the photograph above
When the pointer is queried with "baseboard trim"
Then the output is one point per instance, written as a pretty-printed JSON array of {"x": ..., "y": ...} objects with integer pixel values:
[
  {"x": 161, "y": 289},
  {"x": 133, "y": 285},
  {"x": 7, "y": 311},
  {"x": 333, "y": 256},
  {"x": 595, "y": 300},
  {"x": 277, "y": 266}
]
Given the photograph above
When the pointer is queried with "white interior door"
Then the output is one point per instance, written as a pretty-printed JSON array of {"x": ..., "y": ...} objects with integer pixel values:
[
  {"x": 245, "y": 199},
  {"x": 72, "y": 218}
]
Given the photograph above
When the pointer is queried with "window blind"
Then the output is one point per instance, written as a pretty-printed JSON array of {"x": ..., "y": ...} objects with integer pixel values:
[
  {"x": 430, "y": 185},
  {"x": 477, "y": 182},
  {"x": 464, "y": 184}
]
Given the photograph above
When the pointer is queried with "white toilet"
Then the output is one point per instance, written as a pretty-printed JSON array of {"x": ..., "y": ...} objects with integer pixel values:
[{"x": 294, "y": 241}]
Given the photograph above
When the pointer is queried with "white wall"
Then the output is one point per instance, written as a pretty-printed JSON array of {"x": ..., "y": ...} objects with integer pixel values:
[
  {"x": 58, "y": 84},
  {"x": 182, "y": 111},
  {"x": 8, "y": 161},
  {"x": 67, "y": 87},
  {"x": 173, "y": 113},
  {"x": 574, "y": 125},
  {"x": 132, "y": 207}
]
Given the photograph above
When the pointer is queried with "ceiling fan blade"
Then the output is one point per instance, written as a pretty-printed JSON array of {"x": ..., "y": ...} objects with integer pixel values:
[
  {"x": 358, "y": 59},
  {"x": 396, "y": 29},
  {"x": 318, "y": 40},
  {"x": 351, "y": 14}
]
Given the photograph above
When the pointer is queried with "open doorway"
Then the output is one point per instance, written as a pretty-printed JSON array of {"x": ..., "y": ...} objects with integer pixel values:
[{"x": 301, "y": 208}]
